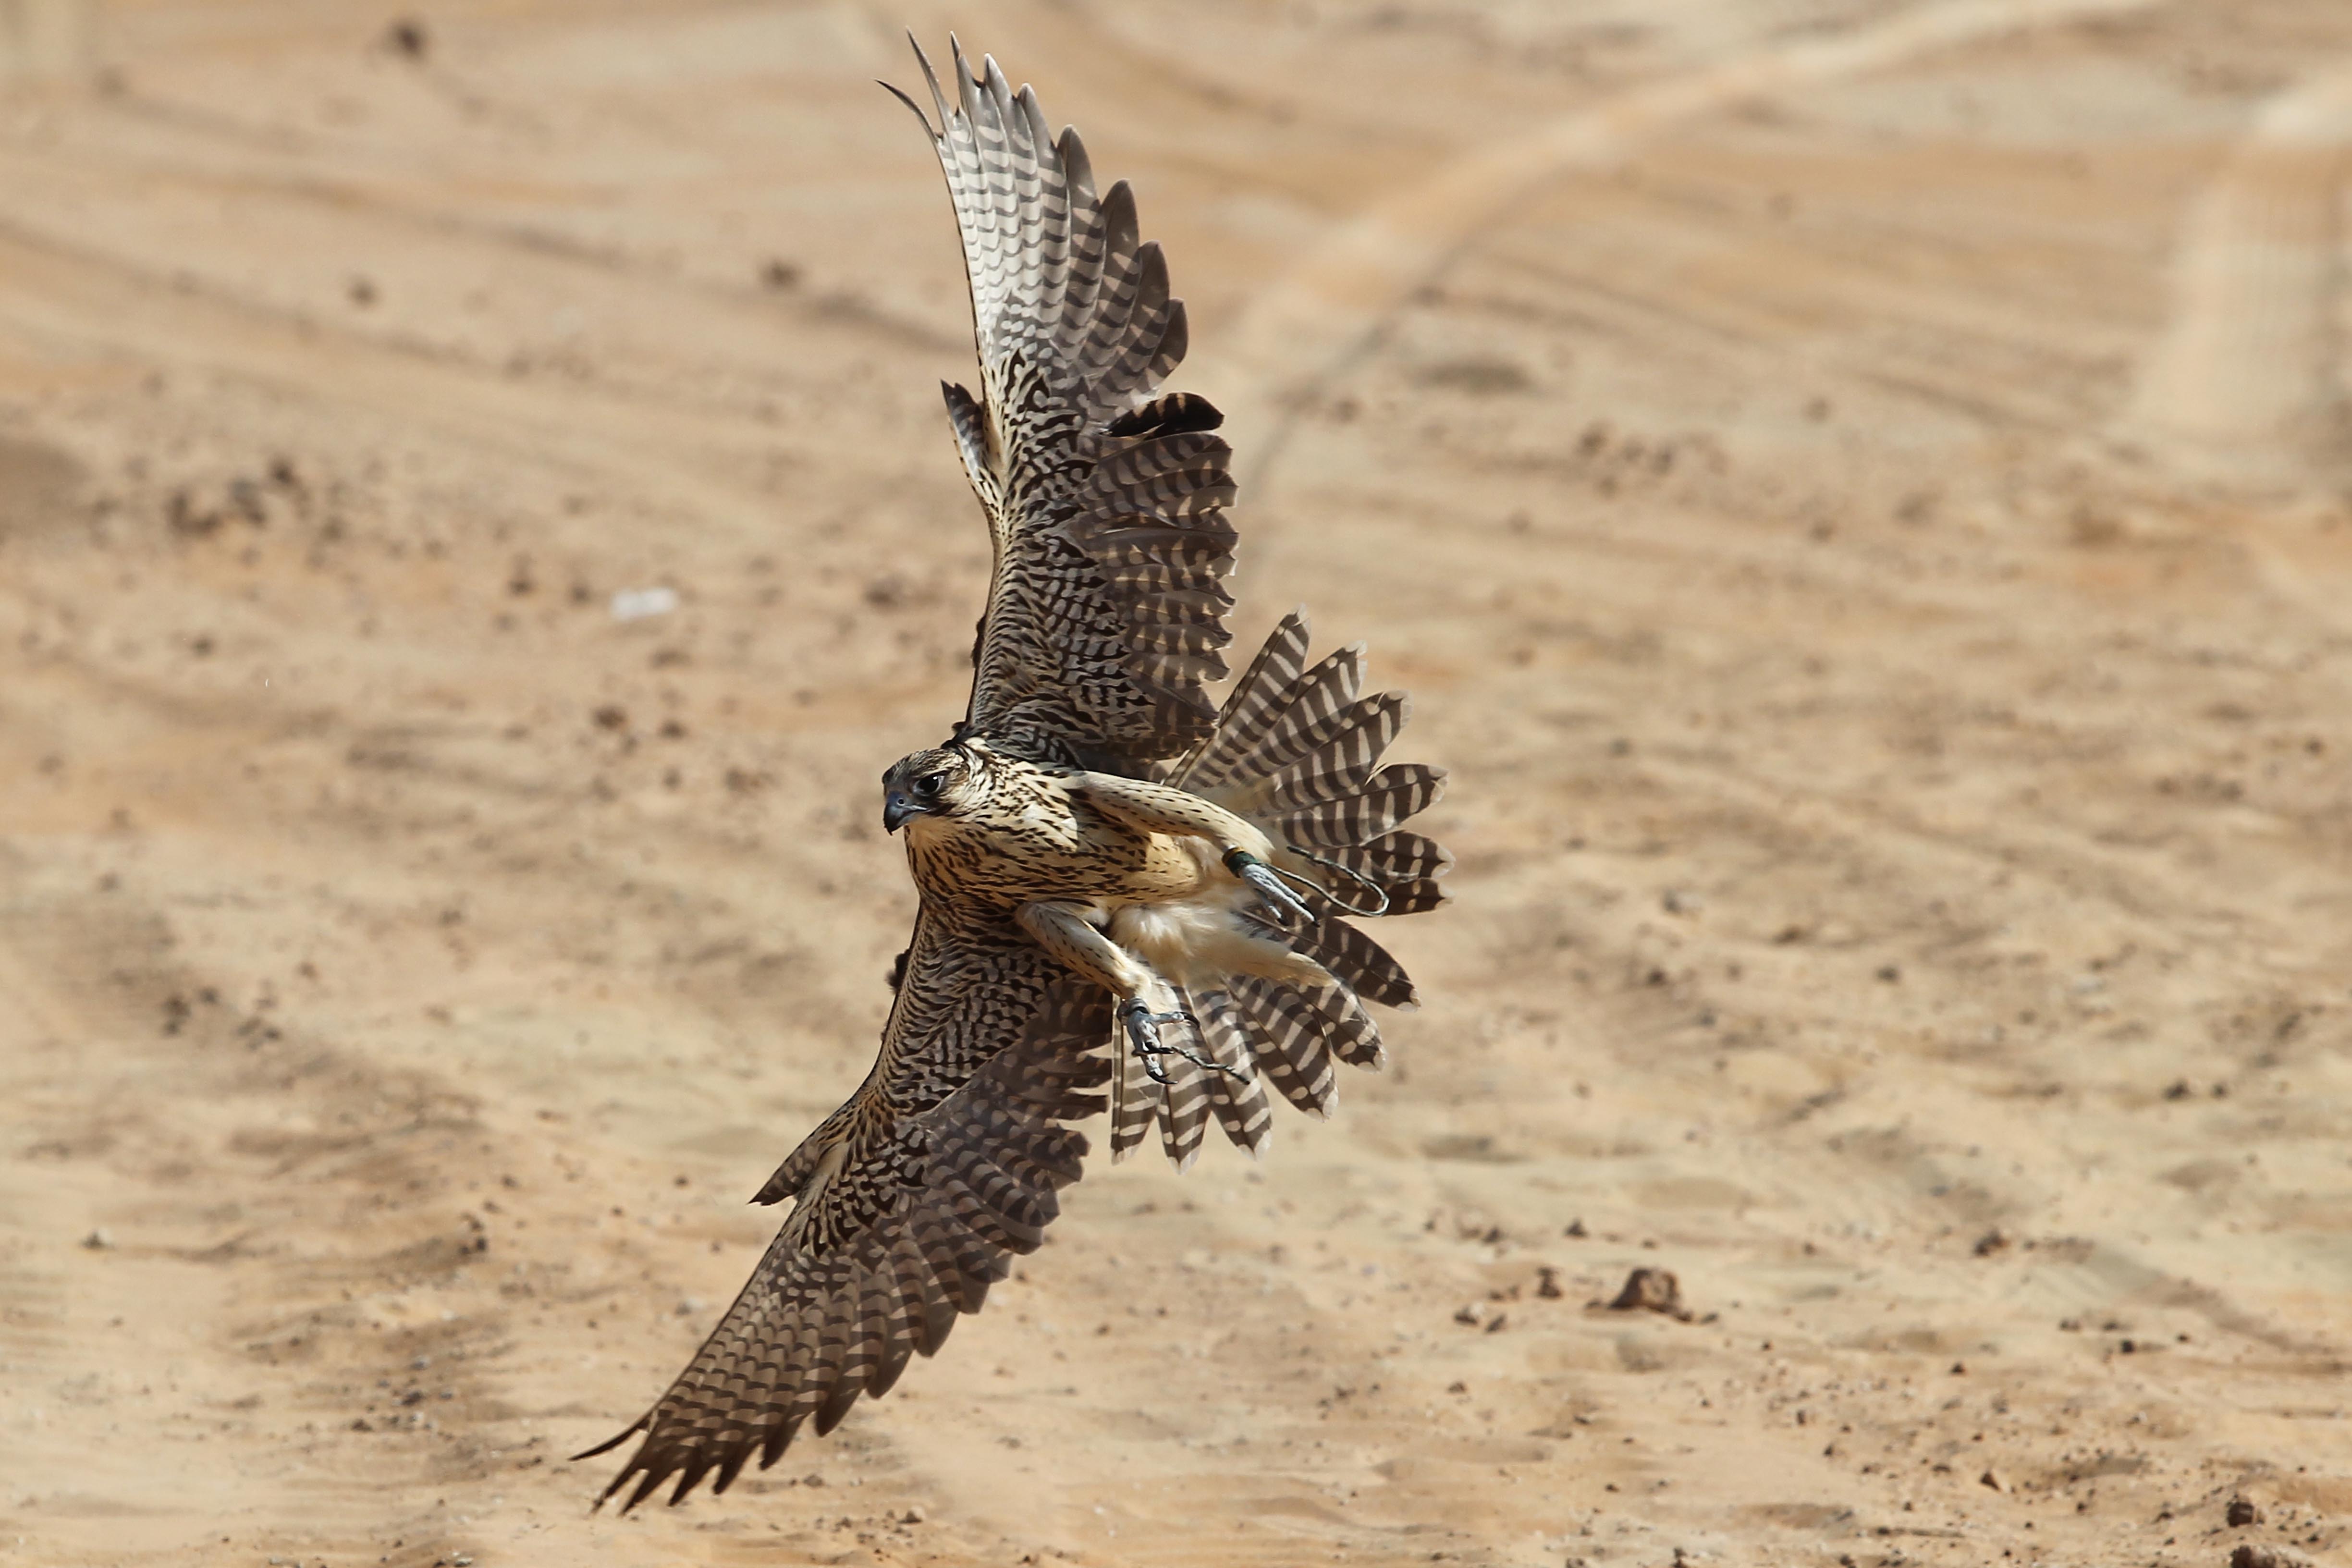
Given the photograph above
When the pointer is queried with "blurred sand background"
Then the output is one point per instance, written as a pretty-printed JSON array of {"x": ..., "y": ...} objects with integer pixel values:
[{"x": 1860, "y": 490}]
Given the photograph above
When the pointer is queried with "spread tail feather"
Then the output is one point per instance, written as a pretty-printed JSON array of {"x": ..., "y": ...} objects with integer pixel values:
[{"x": 1296, "y": 749}]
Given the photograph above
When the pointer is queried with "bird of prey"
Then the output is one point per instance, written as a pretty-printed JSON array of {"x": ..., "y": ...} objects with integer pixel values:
[{"x": 1105, "y": 856}]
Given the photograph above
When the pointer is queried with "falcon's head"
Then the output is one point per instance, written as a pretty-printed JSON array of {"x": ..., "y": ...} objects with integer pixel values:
[{"x": 936, "y": 782}]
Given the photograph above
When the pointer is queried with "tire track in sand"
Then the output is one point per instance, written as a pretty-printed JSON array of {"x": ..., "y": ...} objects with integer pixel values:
[
  {"x": 2245, "y": 381},
  {"x": 1316, "y": 321}
]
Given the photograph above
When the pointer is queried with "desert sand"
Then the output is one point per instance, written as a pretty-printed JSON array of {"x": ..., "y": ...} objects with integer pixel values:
[{"x": 1861, "y": 493}]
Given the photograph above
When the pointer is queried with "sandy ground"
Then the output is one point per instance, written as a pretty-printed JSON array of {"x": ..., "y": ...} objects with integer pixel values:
[{"x": 1860, "y": 491}]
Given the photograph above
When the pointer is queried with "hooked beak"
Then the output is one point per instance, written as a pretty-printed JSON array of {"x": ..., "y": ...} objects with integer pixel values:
[{"x": 896, "y": 809}]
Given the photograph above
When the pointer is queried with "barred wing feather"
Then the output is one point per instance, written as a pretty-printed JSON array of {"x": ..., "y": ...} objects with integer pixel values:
[
  {"x": 911, "y": 1200},
  {"x": 1105, "y": 607}
]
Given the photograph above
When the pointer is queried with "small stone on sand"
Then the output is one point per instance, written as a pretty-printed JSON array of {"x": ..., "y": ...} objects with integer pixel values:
[{"x": 1651, "y": 1290}]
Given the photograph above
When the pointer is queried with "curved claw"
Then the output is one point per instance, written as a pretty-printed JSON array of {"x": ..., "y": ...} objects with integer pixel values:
[
  {"x": 1271, "y": 889},
  {"x": 1143, "y": 1035}
]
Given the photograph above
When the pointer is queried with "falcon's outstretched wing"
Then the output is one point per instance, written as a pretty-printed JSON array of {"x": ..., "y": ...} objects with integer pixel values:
[
  {"x": 1106, "y": 607},
  {"x": 910, "y": 1200}
]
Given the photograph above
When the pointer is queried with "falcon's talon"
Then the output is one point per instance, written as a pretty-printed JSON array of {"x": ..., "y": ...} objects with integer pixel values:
[
  {"x": 1271, "y": 889},
  {"x": 1143, "y": 1036}
]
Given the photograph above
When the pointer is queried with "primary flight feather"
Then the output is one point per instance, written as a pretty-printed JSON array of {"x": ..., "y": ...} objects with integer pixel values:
[{"x": 1103, "y": 855}]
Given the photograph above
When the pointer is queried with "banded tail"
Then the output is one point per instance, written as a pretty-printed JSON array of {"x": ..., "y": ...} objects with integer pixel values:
[{"x": 1296, "y": 749}]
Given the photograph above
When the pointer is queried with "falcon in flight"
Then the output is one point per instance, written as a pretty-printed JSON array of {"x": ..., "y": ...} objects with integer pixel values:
[{"x": 1106, "y": 857}]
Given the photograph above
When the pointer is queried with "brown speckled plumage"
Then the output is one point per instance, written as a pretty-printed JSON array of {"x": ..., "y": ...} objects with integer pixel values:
[{"x": 1083, "y": 843}]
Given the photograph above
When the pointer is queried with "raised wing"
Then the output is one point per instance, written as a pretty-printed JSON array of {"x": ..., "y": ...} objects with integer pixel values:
[
  {"x": 911, "y": 1199},
  {"x": 1105, "y": 607}
]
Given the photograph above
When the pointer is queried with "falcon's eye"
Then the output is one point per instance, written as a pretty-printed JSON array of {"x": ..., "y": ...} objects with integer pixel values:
[{"x": 928, "y": 786}]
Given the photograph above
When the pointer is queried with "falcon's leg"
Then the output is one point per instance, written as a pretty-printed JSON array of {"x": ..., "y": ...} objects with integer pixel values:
[
  {"x": 1164, "y": 809},
  {"x": 1145, "y": 1000},
  {"x": 1142, "y": 1026}
]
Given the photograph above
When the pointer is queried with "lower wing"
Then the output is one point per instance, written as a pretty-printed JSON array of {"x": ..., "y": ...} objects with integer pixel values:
[{"x": 911, "y": 1200}]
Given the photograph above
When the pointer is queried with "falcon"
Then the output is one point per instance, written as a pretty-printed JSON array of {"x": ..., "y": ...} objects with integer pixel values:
[{"x": 1106, "y": 857}]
